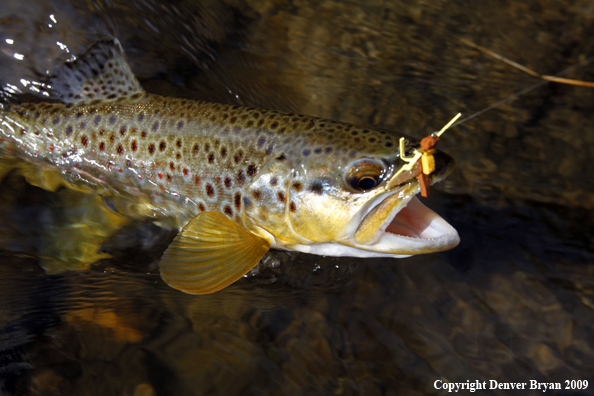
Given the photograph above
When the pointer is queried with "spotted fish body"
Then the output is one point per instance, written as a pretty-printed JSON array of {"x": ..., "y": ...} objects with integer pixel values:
[
  {"x": 176, "y": 148},
  {"x": 259, "y": 178}
]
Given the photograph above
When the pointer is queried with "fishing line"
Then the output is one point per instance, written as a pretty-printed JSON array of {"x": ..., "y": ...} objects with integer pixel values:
[{"x": 546, "y": 79}]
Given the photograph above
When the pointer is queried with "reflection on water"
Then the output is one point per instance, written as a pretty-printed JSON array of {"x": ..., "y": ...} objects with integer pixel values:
[{"x": 512, "y": 303}]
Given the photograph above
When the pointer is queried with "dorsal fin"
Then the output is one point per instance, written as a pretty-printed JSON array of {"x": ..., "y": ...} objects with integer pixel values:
[{"x": 102, "y": 72}]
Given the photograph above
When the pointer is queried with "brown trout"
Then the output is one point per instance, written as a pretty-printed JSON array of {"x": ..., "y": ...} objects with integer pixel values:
[{"x": 242, "y": 180}]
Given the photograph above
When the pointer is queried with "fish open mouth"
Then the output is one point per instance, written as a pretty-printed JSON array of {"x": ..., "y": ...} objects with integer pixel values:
[
  {"x": 402, "y": 225},
  {"x": 399, "y": 224}
]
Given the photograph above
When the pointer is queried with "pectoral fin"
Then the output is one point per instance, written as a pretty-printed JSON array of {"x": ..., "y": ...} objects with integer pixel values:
[{"x": 210, "y": 253}]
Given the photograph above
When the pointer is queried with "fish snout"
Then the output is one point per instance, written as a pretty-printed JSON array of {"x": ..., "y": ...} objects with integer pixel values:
[{"x": 444, "y": 164}]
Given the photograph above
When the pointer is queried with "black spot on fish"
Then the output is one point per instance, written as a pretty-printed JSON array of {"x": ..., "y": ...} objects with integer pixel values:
[
  {"x": 79, "y": 114},
  {"x": 223, "y": 152},
  {"x": 123, "y": 130},
  {"x": 281, "y": 197},
  {"x": 195, "y": 149},
  {"x": 274, "y": 181},
  {"x": 297, "y": 186},
  {"x": 178, "y": 143},
  {"x": 257, "y": 194},
  {"x": 151, "y": 148},
  {"x": 112, "y": 120},
  {"x": 97, "y": 120},
  {"x": 211, "y": 158},
  {"x": 237, "y": 201},
  {"x": 120, "y": 149},
  {"x": 172, "y": 166},
  {"x": 162, "y": 146},
  {"x": 228, "y": 211},
  {"x": 316, "y": 187},
  {"x": 155, "y": 126},
  {"x": 180, "y": 125},
  {"x": 143, "y": 134},
  {"x": 292, "y": 207},
  {"x": 68, "y": 131},
  {"x": 318, "y": 150},
  {"x": 306, "y": 153},
  {"x": 186, "y": 172},
  {"x": 281, "y": 157},
  {"x": 84, "y": 140},
  {"x": 197, "y": 180},
  {"x": 140, "y": 116},
  {"x": 210, "y": 190},
  {"x": 201, "y": 207},
  {"x": 240, "y": 177},
  {"x": 134, "y": 145},
  {"x": 56, "y": 120},
  {"x": 101, "y": 146},
  {"x": 228, "y": 182},
  {"x": 252, "y": 170}
]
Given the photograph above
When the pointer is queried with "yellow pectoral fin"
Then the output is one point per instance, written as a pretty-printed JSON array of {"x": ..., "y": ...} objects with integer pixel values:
[{"x": 210, "y": 253}]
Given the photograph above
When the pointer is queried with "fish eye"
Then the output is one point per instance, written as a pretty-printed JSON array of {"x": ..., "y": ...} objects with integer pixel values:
[{"x": 365, "y": 174}]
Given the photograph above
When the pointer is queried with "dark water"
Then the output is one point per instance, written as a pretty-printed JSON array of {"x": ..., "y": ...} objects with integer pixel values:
[{"x": 513, "y": 303}]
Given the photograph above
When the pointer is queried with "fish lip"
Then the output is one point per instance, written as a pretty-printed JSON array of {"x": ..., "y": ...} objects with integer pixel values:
[{"x": 434, "y": 234}]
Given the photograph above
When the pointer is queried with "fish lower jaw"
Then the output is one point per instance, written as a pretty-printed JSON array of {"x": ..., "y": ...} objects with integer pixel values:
[
  {"x": 401, "y": 224},
  {"x": 414, "y": 229}
]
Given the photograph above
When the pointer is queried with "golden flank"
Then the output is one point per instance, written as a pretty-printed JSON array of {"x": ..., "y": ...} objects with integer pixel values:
[{"x": 238, "y": 181}]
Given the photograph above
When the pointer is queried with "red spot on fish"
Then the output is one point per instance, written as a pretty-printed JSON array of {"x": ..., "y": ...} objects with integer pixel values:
[
  {"x": 120, "y": 170},
  {"x": 160, "y": 175},
  {"x": 140, "y": 177},
  {"x": 2, "y": 139},
  {"x": 156, "y": 194},
  {"x": 51, "y": 148},
  {"x": 77, "y": 164}
]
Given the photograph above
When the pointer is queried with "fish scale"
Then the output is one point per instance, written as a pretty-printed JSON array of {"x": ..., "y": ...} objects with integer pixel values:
[{"x": 238, "y": 180}]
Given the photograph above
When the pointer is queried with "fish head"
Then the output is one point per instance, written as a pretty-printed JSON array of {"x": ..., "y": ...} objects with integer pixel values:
[{"x": 355, "y": 202}]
